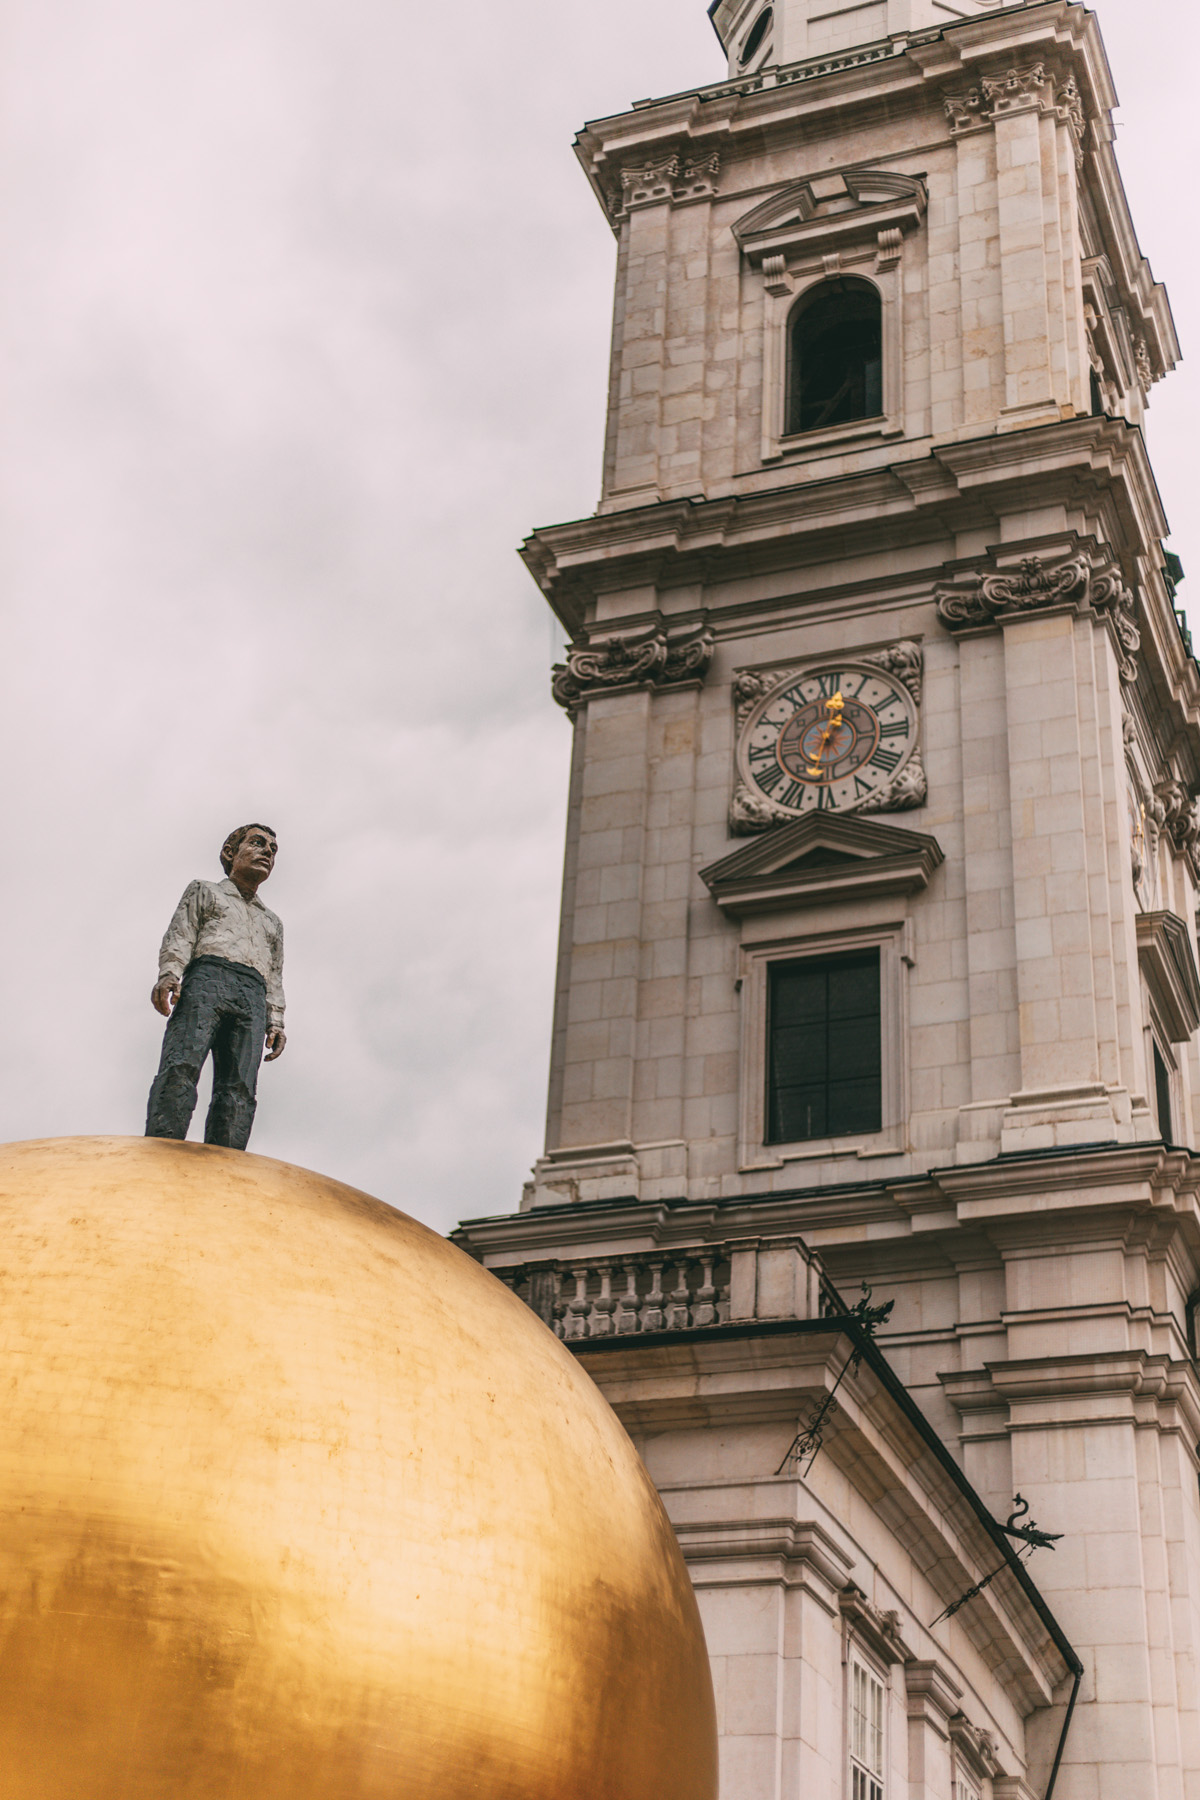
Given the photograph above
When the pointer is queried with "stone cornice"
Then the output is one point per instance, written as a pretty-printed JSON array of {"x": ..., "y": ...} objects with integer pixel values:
[
  {"x": 1106, "y": 1384},
  {"x": 959, "y": 484},
  {"x": 763, "y": 1541},
  {"x": 1141, "y": 1196}
]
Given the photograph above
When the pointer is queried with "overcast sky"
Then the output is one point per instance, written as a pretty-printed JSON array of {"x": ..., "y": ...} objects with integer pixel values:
[{"x": 304, "y": 314}]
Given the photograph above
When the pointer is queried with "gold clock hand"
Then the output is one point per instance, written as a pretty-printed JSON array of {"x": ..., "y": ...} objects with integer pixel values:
[{"x": 834, "y": 707}]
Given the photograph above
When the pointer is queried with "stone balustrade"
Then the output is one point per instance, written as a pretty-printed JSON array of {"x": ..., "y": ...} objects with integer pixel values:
[{"x": 680, "y": 1289}]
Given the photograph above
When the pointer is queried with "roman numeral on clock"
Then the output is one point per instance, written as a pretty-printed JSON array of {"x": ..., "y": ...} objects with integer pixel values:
[
  {"x": 770, "y": 776},
  {"x": 885, "y": 759},
  {"x": 894, "y": 728},
  {"x": 762, "y": 752}
]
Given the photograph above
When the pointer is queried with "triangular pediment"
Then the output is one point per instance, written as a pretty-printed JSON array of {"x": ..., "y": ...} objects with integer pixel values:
[
  {"x": 834, "y": 201},
  {"x": 822, "y": 857}
]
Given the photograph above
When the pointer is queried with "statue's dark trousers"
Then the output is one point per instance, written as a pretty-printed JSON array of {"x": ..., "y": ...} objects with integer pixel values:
[{"x": 223, "y": 1009}]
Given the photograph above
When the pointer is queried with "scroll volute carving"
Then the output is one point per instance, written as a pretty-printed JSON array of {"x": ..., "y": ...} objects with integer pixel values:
[
  {"x": 647, "y": 659},
  {"x": 972, "y": 601}
]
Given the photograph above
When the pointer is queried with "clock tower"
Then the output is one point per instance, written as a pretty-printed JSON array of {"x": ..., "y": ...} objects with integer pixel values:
[{"x": 879, "y": 909}]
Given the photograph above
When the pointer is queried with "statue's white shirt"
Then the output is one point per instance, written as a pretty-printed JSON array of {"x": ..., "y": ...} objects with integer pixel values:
[{"x": 213, "y": 919}]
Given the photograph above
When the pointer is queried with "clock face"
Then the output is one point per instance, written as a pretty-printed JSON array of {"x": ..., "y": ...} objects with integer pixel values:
[{"x": 828, "y": 739}]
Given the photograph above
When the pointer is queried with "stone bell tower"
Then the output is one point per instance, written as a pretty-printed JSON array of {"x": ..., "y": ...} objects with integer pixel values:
[{"x": 879, "y": 910}]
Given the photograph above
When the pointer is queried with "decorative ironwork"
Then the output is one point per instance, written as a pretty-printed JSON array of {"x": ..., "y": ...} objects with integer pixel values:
[
  {"x": 808, "y": 1442},
  {"x": 1030, "y": 1537}
]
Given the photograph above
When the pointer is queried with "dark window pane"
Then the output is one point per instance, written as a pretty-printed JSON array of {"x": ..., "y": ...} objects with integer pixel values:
[
  {"x": 823, "y": 1048},
  {"x": 853, "y": 1048},
  {"x": 1162, "y": 1094},
  {"x": 800, "y": 994},
  {"x": 800, "y": 1057},
  {"x": 798, "y": 1113},
  {"x": 853, "y": 1106},
  {"x": 854, "y": 989},
  {"x": 835, "y": 356},
  {"x": 1097, "y": 397}
]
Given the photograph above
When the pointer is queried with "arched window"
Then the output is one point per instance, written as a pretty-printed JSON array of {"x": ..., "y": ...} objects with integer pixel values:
[{"x": 835, "y": 358}]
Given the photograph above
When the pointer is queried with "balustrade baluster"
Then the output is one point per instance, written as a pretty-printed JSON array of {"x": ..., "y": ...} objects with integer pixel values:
[
  {"x": 603, "y": 1305},
  {"x": 627, "y": 1305},
  {"x": 559, "y": 1326},
  {"x": 652, "y": 1310},
  {"x": 678, "y": 1308},
  {"x": 704, "y": 1311},
  {"x": 578, "y": 1307}
]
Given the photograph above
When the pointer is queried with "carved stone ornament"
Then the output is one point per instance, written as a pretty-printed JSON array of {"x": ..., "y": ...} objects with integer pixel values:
[
  {"x": 1020, "y": 90},
  {"x": 972, "y": 601},
  {"x": 673, "y": 178},
  {"x": 977, "y": 1747},
  {"x": 649, "y": 659},
  {"x": 1179, "y": 815},
  {"x": 878, "y": 1627}
]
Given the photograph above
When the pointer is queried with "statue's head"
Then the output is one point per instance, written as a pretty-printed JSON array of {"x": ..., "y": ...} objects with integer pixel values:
[{"x": 250, "y": 850}]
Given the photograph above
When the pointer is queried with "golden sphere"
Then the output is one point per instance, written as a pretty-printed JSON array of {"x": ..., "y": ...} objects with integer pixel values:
[{"x": 299, "y": 1503}]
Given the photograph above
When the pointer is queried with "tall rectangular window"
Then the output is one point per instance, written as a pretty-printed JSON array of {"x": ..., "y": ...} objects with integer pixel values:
[
  {"x": 1162, "y": 1095},
  {"x": 824, "y": 1062},
  {"x": 866, "y": 1735}
]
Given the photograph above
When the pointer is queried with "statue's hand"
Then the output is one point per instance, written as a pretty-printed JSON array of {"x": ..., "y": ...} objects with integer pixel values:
[
  {"x": 166, "y": 993},
  {"x": 276, "y": 1042}
]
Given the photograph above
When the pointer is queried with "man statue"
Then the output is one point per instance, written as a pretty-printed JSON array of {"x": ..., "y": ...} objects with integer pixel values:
[{"x": 220, "y": 986}]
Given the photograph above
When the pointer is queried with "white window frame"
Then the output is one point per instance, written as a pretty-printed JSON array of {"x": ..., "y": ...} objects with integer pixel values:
[
  {"x": 780, "y": 303},
  {"x": 893, "y": 943},
  {"x": 965, "y": 1785},
  {"x": 862, "y": 1781}
]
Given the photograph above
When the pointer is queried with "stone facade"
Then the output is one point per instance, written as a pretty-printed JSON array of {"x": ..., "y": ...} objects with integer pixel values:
[{"x": 1030, "y": 888}]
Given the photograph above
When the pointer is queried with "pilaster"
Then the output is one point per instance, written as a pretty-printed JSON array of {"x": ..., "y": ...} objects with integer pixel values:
[
  {"x": 933, "y": 1698},
  {"x": 991, "y": 948},
  {"x": 602, "y": 1008}
]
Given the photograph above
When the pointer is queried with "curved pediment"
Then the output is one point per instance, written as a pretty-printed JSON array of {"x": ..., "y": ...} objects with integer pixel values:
[{"x": 842, "y": 203}]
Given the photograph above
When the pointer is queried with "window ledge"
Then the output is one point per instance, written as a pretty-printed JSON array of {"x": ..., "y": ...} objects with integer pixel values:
[
  {"x": 777, "y": 1156},
  {"x": 797, "y": 444}
]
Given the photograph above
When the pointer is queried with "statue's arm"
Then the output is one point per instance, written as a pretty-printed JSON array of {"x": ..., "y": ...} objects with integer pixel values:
[
  {"x": 177, "y": 948},
  {"x": 276, "y": 1036}
]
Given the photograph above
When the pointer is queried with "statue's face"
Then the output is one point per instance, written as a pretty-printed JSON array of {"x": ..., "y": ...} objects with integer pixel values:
[{"x": 255, "y": 856}]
